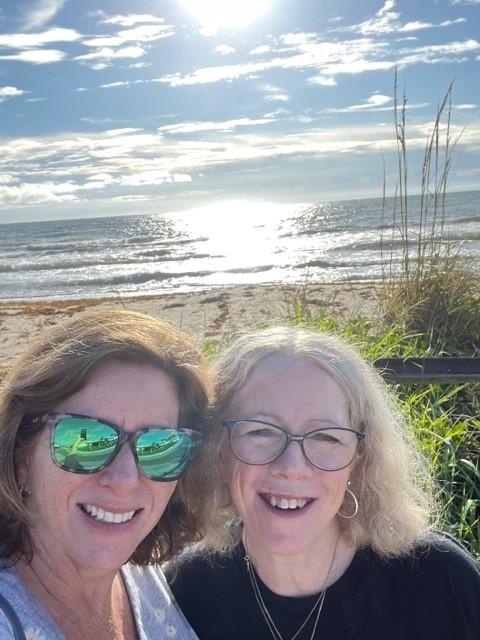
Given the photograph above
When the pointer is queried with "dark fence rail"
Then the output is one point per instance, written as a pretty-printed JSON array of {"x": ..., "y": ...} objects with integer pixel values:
[{"x": 424, "y": 370}]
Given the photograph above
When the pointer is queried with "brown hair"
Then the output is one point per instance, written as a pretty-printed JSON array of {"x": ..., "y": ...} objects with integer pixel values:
[{"x": 59, "y": 364}]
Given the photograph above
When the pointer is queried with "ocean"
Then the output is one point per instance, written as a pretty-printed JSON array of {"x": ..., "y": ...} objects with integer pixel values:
[{"x": 214, "y": 246}]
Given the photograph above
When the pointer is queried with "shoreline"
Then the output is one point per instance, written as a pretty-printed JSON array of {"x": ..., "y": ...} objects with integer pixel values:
[{"x": 205, "y": 315}]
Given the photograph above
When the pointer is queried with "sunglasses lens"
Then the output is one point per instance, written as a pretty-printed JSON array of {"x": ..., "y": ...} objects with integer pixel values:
[
  {"x": 83, "y": 445},
  {"x": 164, "y": 454}
]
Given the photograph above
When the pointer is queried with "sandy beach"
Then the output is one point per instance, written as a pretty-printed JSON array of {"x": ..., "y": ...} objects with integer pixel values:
[{"x": 205, "y": 315}]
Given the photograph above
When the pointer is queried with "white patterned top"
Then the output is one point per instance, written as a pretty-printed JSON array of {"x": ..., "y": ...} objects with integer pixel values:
[{"x": 155, "y": 611}]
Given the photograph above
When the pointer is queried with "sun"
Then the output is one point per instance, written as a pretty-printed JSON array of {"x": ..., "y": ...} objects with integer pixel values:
[{"x": 226, "y": 13}]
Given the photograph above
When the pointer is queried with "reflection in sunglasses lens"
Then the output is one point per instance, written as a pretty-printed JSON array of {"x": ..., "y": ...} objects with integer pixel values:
[{"x": 87, "y": 446}]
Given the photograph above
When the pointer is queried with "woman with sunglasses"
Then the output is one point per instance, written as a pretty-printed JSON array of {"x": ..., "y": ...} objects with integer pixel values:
[
  {"x": 329, "y": 521},
  {"x": 99, "y": 422}
]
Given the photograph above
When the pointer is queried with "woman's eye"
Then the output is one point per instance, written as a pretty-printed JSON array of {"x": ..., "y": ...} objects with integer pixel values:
[
  {"x": 323, "y": 437},
  {"x": 261, "y": 433}
]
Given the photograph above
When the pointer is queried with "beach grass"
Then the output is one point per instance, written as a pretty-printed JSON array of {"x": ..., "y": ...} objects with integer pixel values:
[{"x": 435, "y": 292}]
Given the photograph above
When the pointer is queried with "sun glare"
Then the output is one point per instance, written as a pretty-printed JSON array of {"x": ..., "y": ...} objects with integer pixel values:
[{"x": 226, "y": 13}]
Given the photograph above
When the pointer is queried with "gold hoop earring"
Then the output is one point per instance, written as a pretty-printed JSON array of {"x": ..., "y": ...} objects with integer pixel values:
[{"x": 355, "y": 502}]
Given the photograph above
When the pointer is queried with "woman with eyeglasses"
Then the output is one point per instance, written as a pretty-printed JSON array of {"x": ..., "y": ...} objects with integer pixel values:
[
  {"x": 329, "y": 509},
  {"x": 100, "y": 422}
]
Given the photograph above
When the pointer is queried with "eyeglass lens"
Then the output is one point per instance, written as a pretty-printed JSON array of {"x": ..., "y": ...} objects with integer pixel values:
[
  {"x": 329, "y": 449},
  {"x": 85, "y": 445}
]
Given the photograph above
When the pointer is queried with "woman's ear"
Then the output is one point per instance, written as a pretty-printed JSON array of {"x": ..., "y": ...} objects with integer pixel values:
[
  {"x": 21, "y": 472},
  {"x": 20, "y": 461}
]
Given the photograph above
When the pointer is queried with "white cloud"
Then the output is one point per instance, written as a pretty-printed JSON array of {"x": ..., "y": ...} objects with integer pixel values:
[
  {"x": 324, "y": 81},
  {"x": 121, "y": 132},
  {"x": 260, "y": 50},
  {"x": 385, "y": 21},
  {"x": 277, "y": 97},
  {"x": 37, "y": 193},
  {"x": 430, "y": 54},
  {"x": 110, "y": 85},
  {"x": 377, "y": 100},
  {"x": 104, "y": 56},
  {"x": 9, "y": 92},
  {"x": 133, "y": 19},
  {"x": 98, "y": 120},
  {"x": 358, "y": 66},
  {"x": 224, "y": 49},
  {"x": 153, "y": 178},
  {"x": 228, "y": 125},
  {"x": 41, "y": 12},
  {"x": 144, "y": 33},
  {"x": 61, "y": 168},
  {"x": 138, "y": 65},
  {"x": 327, "y": 59},
  {"x": 36, "y": 56},
  {"x": 417, "y": 25},
  {"x": 35, "y": 40},
  {"x": 306, "y": 53},
  {"x": 275, "y": 94},
  {"x": 372, "y": 105}
]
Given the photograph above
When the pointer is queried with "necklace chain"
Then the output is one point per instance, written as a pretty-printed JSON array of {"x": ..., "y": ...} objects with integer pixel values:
[{"x": 265, "y": 612}]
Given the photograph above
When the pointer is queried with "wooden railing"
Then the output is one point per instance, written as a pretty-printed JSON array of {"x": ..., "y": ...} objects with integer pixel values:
[{"x": 424, "y": 370}]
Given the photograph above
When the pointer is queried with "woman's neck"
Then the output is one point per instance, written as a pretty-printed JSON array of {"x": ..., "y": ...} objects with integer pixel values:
[
  {"x": 301, "y": 574},
  {"x": 82, "y": 606}
]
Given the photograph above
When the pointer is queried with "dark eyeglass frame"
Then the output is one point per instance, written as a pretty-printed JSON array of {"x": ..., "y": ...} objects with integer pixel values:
[
  {"x": 52, "y": 419},
  {"x": 292, "y": 438}
]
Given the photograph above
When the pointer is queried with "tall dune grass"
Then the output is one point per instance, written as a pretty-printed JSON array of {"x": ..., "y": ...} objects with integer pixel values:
[{"x": 434, "y": 292}]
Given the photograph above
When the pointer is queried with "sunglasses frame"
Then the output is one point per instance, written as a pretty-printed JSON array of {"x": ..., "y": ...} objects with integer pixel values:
[
  {"x": 229, "y": 424},
  {"x": 52, "y": 419}
]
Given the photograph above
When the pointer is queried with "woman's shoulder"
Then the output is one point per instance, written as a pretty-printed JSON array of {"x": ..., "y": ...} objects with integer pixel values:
[
  {"x": 443, "y": 549},
  {"x": 153, "y": 604},
  {"x": 195, "y": 563},
  {"x": 433, "y": 559},
  {"x": 33, "y": 617}
]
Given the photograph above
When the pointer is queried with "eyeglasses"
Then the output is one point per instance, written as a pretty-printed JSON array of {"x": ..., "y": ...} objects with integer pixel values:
[
  {"x": 256, "y": 442},
  {"x": 86, "y": 445}
]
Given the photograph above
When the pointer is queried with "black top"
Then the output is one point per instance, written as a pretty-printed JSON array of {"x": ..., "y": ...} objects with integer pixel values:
[{"x": 433, "y": 593}]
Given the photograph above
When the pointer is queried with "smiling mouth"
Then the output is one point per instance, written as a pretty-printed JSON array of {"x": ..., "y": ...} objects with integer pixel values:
[
  {"x": 100, "y": 515},
  {"x": 285, "y": 503}
]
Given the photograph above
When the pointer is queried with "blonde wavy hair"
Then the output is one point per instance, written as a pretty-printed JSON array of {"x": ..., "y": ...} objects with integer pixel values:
[
  {"x": 389, "y": 478},
  {"x": 59, "y": 364}
]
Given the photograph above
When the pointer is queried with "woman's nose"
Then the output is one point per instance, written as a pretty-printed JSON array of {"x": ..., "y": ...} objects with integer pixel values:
[
  {"x": 293, "y": 462},
  {"x": 122, "y": 474}
]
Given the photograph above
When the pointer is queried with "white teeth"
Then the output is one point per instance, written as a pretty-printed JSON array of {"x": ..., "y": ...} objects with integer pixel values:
[
  {"x": 108, "y": 516},
  {"x": 284, "y": 503}
]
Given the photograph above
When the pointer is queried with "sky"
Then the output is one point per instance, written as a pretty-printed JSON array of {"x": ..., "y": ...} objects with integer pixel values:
[{"x": 110, "y": 107}]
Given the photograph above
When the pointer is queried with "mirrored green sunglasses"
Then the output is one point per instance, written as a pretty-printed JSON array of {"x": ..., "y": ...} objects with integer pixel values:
[{"x": 86, "y": 445}]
